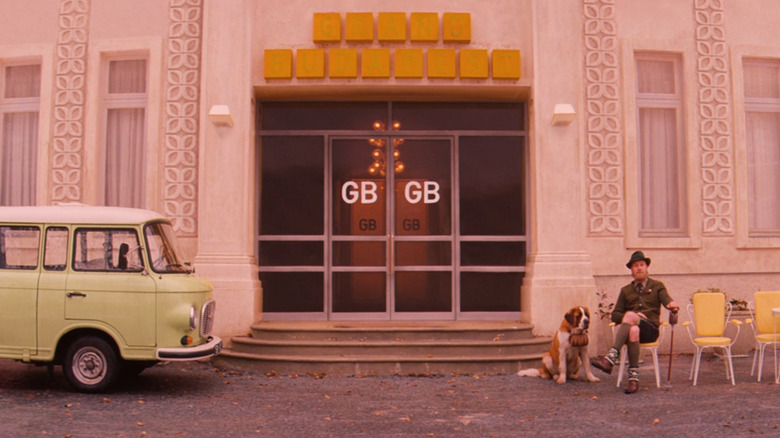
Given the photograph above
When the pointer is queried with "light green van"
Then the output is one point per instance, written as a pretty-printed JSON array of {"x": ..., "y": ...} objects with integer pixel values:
[{"x": 102, "y": 291}]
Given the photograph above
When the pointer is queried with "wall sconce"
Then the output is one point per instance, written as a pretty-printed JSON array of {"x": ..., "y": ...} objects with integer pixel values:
[
  {"x": 220, "y": 115},
  {"x": 563, "y": 114}
]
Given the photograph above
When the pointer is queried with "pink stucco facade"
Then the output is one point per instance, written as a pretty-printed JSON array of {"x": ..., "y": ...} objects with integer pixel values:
[{"x": 583, "y": 208}]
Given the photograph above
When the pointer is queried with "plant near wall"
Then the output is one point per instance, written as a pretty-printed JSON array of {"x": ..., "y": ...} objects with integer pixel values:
[
  {"x": 605, "y": 305},
  {"x": 736, "y": 304}
]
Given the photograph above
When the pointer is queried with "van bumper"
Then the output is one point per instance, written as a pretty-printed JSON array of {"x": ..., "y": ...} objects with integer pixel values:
[{"x": 202, "y": 351}]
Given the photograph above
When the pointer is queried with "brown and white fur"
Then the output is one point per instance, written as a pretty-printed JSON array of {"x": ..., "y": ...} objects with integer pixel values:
[{"x": 576, "y": 321}]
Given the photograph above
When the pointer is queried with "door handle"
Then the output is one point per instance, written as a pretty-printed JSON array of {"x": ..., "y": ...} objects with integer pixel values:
[{"x": 75, "y": 294}]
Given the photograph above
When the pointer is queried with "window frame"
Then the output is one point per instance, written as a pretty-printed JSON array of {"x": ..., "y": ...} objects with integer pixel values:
[
  {"x": 101, "y": 51},
  {"x": 22, "y": 105},
  {"x": 691, "y": 192},
  {"x": 746, "y": 239}
]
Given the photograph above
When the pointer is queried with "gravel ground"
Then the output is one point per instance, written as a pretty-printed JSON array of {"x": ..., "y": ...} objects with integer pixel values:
[{"x": 197, "y": 399}]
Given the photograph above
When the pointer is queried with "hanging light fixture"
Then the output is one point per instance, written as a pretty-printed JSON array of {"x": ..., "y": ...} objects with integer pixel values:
[{"x": 379, "y": 165}]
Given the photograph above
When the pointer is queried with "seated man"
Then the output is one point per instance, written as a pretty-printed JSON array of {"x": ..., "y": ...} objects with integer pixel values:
[{"x": 638, "y": 311}]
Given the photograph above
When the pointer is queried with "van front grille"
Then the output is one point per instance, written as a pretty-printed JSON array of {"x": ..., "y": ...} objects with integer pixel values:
[{"x": 207, "y": 318}]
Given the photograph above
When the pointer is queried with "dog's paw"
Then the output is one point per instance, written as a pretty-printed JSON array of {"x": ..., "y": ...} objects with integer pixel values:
[
  {"x": 593, "y": 379},
  {"x": 561, "y": 379}
]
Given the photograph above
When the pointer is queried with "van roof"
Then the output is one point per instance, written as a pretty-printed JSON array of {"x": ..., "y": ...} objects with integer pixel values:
[{"x": 77, "y": 213}]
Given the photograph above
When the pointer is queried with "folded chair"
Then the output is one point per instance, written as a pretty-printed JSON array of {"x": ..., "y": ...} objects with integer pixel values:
[
  {"x": 652, "y": 346},
  {"x": 763, "y": 326},
  {"x": 709, "y": 313}
]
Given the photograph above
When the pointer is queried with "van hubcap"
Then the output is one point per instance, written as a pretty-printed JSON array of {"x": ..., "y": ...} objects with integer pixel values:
[{"x": 89, "y": 366}]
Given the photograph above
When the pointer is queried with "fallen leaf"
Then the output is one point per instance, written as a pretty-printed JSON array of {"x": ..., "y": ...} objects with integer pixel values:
[
  {"x": 656, "y": 421},
  {"x": 105, "y": 400},
  {"x": 139, "y": 424}
]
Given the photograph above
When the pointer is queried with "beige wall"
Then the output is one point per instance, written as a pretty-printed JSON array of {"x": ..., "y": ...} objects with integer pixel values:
[{"x": 570, "y": 257}]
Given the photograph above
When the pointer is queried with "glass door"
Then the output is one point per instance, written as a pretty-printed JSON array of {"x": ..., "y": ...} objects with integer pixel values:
[{"x": 391, "y": 250}]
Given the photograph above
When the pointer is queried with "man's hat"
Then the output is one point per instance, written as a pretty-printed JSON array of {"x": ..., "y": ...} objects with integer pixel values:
[{"x": 636, "y": 256}]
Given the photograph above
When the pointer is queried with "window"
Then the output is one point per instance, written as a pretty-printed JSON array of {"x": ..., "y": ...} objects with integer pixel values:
[
  {"x": 56, "y": 251},
  {"x": 107, "y": 250},
  {"x": 19, "y": 247},
  {"x": 125, "y": 128},
  {"x": 660, "y": 146},
  {"x": 19, "y": 108},
  {"x": 762, "y": 120}
]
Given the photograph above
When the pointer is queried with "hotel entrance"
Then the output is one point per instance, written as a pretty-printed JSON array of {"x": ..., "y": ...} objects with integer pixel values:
[{"x": 391, "y": 211}]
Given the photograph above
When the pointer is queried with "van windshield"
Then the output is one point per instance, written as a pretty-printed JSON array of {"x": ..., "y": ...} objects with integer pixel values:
[{"x": 164, "y": 252}]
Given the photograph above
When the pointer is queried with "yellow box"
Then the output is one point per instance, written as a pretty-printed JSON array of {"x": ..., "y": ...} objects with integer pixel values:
[
  {"x": 506, "y": 64},
  {"x": 360, "y": 27},
  {"x": 456, "y": 27},
  {"x": 277, "y": 64},
  {"x": 392, "y": 27},
  {"x": 474, "y": 64},
  {"x": 441, "y": 63},
  {"x": 424, "y": 27},
  {"x": 375, "y": 63},
  {"x": 326, "y": 27},
  {"x": 409, "y": 63},
  {"x": 342, "y": 63},
  {"x": 310, "y": 63}
]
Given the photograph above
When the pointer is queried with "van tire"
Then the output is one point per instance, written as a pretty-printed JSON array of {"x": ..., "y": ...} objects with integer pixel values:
[{"x": 91, "y": 365}]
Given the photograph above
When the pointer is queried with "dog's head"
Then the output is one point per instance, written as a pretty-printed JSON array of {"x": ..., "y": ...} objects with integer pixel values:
[{"x": 578, "y": 318}]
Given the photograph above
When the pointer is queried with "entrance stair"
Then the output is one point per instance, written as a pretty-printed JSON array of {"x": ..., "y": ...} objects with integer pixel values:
[{"x": 386, "y": 348}]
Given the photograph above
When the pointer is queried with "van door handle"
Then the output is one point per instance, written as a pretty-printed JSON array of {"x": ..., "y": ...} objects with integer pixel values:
[{"x": 75, "y": 294}]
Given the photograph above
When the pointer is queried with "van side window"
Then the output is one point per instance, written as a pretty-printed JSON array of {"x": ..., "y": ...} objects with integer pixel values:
[
  {"x": 107, "y": 249},
  {"x": 55, "y": 253},
  {"x": 19, "y": 247}
]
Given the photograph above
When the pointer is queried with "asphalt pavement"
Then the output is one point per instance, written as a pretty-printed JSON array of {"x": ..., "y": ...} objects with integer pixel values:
[{"x": 199, "y": 399}]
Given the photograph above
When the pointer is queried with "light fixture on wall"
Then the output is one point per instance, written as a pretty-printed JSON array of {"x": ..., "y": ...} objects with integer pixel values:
[
  {"x": 563, "y": 114},
  {"x": 220, "y": 115},
  {"x": 378, "y": 154}
]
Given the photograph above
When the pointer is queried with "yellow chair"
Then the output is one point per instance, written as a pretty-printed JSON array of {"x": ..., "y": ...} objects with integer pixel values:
[
  {"x": 763, "y": 325},
  {"x": 652, "y": 346},
  {"x": 709, "y": 313}
]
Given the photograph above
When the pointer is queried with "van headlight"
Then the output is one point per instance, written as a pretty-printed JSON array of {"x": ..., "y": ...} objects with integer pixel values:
[{"x": 193, "y": 318}]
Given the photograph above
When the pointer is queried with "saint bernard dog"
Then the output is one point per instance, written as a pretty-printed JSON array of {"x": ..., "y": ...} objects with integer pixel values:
[{"x": 569, "y": 351}]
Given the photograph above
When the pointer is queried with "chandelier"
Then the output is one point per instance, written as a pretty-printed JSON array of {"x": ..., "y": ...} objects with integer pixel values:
[{"x": 379, "y": 154}]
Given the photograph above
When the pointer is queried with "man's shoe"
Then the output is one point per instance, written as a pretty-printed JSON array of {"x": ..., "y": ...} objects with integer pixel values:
[
  {"x": 632, "y": 387},
  {"x": 603, "y": 364}
]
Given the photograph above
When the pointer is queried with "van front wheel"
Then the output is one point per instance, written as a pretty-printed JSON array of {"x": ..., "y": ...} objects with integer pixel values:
[{"x": 91, "y": 365}]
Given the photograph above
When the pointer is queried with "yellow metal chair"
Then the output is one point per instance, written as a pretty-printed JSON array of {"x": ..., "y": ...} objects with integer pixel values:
[
  {"x": 763, "y": 325},
  {"x": 652, "y": 346},
  {"x": 709, "y": 313}
]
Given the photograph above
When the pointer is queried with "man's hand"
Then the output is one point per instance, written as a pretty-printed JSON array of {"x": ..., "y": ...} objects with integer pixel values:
[{"x": 673, "y": 307}]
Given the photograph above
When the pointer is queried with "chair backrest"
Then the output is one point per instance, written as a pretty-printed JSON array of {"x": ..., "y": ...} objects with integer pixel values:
[
  {"x": 709, "y": 313},
  {"x": 764, "y": 302}
]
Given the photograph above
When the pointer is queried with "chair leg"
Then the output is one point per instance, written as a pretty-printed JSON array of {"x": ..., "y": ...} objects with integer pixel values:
[
  {"x": 760, "y": 353},
  {"x": 731, "y": 365},
  {"x": 726, "y": 363},
  {"x": 755, "y": 356},
  {"x": 696, "y": 363}
]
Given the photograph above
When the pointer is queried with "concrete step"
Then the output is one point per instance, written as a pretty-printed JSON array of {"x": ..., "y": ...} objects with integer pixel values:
[
  {"x": 399, "y": 348},
  {"x": 383, "y": 348},
  {"x": 381, "y": 331}
]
